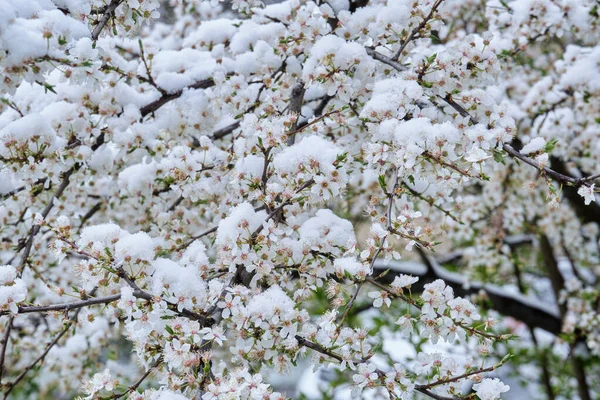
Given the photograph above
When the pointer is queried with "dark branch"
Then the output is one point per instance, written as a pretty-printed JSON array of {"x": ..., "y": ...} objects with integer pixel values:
[
  {"x": 165, "y": 98},
  {"x": 66, "y": 306},
  {"x": 106, "y": 16},
  {"x": 513, "y": 305}
]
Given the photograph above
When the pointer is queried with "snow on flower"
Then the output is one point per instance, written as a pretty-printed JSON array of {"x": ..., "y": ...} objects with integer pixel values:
[
  {"x": 352, "y": 267},
  {"x": 402, "y": 281},
  {"x": 12, "y": 289}
]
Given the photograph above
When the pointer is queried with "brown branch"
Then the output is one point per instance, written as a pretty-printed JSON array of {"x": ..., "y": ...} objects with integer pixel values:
[
  {"x": 317, "y": 347},
  {"x": 566, "y": 179},
  {"x": 296, "y": 107},
  {"x": 165, "y": 98},
  {"x": 106, "y": 16},
  {"x": 557, "y": 176},
  {"x": 175, "y": 204},
  {"x": 196, "y": 237},
  {"x": 137, "y": 384},
  {"x": 280, "y": 208},
  {"x": 27, "y": 250},
  {"x": 320, "y": 349},
  {"x": 4, "y": 343},
  {"x": 66, "y": 306},
  {"x": 417, "y": 31},
  {"x": 522, "y": 308},
  {"x": 558, "y": 283},
  {"x": 436, "y": 396},
  {"x": 431, "y": 202},
  {"x": 66, "y": 328},
  {"x": 459, "y": 377},
  {"x": 90, "y": 214},
  {"x": 349, "y": 305},
  {"x": 139, "y": 293},
  {"x": 386, "y": 60},
  {"x": 147, "y": 67},
  {"x": 12, "y": 385},
  {"x": 221, "y": 133},
  {"x": 27, "y": 243}
]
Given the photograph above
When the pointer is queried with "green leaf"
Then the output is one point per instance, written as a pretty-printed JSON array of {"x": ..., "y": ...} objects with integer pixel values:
[
  {"x": 550, "y": 145},
  {"x": 47, "y": 87},
  {"x": 384, "y": 273},
  {"x": 382, "y": 182},
  {"x": 341, "y": 158},
  {"x": 169, "y": 329},
  {"x": 499, "y": 157}
]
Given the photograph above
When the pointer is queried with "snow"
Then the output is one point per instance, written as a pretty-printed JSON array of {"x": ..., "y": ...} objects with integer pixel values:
[
  {"x": 138, "y": 178},
  {"x": 170, "y": 277},
  {"x": 138, "y": 246},
  {"x": 30, "y": 132},
  {"x": 536, "y": 144},
  {"x": 177, "y": 69},
  {"x": 326, "y": 231},
  {"x": 211, "y": 33},
  {"x": 108, "y": 234}
]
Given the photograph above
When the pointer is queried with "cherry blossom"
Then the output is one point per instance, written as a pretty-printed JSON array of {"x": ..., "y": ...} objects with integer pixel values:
[{"x": 401, "y": 194}]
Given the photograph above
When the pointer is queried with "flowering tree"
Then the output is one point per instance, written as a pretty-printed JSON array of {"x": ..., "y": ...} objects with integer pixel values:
[{"x": 197, "y": 194}]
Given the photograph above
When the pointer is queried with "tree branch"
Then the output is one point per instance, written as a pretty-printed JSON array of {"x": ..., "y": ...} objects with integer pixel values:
[
  {"x": 137, "y": 384},
  {"x": 107, "y": 14},
  {"x": 165, "y": 98},
  {"x": 417, "y": 30},
  {"x": 517, "y": 306},
  {"x": 65, "y": 306}
]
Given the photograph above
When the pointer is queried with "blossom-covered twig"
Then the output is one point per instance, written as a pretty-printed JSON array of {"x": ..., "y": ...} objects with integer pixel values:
[
  {"x": 107, "y": 14},
  {"x": 67, "y": 326},
  {"x": 67, "y": 306},
  {"x": 416, "y": 32},
  {"x": 167, "y": 97},
  {"x": 137, "y": 384}
]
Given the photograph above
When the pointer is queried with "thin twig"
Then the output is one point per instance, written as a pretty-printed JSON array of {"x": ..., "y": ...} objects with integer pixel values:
[
  {"x": 386, "y": 60},
  {"x": 108, "y": 13},
  {"x": 4, "y": 343},
  {"x": 137, "y": 384},
  {"x": 66, "y": 328},
  {"x": 66, "y": 306},
  {"x": 417, "y": 30},
  {"x": 165, "y": 98},
  {"x": 459, "y": 377},
  {"x": 317, "y": 347}
]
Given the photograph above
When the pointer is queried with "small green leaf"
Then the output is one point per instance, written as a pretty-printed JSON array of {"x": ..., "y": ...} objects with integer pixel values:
[
  {"x": 499, "y": 157},
  {"x": 47, "y": 87},
  {"x": 382, "y": 182},
  {"x": 550, "y": 145},
  {"x": 384, "y": 273}
]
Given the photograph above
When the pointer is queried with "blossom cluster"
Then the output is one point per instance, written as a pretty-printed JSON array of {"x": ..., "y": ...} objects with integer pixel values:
[{"x": 210, "y": 191}]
